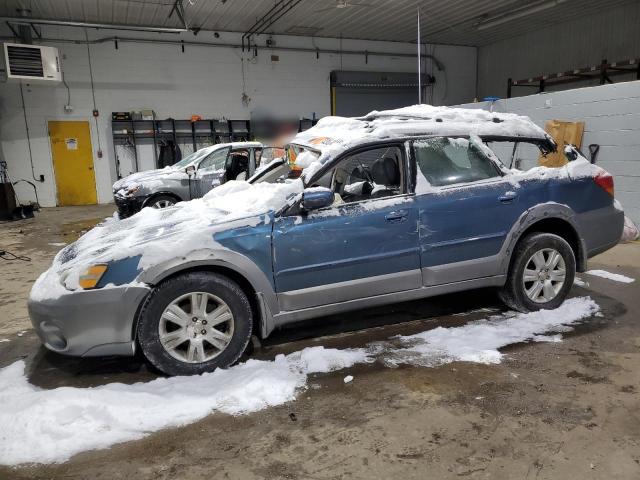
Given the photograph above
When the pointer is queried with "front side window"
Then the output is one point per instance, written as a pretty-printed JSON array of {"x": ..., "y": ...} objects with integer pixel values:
[
  {"x": 237, "y": 164},
  {"x": 215, "y": 161},
  {"x": 448, "y": 161},
  {"x": 374, "y": 173}
]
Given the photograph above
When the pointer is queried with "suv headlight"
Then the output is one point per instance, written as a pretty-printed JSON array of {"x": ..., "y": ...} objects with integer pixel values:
[{"x": 131, "y": 190}]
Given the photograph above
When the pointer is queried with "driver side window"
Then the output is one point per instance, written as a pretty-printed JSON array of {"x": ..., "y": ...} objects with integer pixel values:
[
  {"x": 374, "y": 173},
  {"x": 215, "y": 161}
]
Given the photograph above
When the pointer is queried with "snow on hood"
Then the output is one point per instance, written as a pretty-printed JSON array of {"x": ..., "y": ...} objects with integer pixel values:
[
  {"x": 332, "y": 135},
  {"x": 159, "y": 235},
  {"x": 149, "y": 176}
]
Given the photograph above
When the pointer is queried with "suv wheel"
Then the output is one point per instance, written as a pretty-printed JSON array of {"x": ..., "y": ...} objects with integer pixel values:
[
  {"x": 162, "y": 201},
  {"x": 195, "y": 323},
  {"x": 541, "y": 273}
]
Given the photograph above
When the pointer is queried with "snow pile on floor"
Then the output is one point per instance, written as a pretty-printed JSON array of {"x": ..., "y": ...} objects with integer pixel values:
[
  {"x": 46, "y": 426},
  {"x": 616, "y": 277},
  {"x": 479, "y": 341},
  {"x": 161, "y": 234}
]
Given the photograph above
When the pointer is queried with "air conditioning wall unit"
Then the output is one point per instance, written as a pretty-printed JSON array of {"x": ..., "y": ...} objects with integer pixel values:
[{"x": 32, "y": 63}]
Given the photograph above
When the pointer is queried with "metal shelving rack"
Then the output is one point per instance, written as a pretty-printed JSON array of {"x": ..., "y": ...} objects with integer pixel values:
[
  {"x": 198, "y": 134},
  {"x": 123, "y": 135},
  {"x": 602, "y": 72}
]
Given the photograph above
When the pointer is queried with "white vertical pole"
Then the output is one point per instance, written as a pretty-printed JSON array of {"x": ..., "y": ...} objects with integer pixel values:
[{"x": 419, "y": 62}]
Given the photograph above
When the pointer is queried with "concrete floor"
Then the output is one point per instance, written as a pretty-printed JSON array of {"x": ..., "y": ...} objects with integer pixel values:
[{"x": 565, "y": 410}]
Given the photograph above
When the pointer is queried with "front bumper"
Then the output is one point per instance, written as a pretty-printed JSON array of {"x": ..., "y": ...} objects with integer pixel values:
[
  {"x": 89, "y": 323},
  {"x": 128, "y": 206}
]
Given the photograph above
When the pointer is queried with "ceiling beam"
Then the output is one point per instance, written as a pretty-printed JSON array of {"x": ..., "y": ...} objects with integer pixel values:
[
  {"x": 178, "y": 7},
  {"x": 281, "y": 8},
  {"x": 106, "y": 26}
]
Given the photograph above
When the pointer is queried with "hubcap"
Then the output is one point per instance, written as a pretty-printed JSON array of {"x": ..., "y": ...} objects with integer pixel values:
[
  {"x": 162, "y": 204},
  {"x": 196, "y": 327},
  {"x": 544, "y": 275}
]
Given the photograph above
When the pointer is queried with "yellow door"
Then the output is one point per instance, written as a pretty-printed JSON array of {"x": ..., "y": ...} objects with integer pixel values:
[{"x": 73, "y": 162}]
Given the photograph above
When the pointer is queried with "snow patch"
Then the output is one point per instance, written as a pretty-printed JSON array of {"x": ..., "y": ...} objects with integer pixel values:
[
  {"x": 579, "y": 282},
  {"x": 479, "y": 341},
  {"x": 45, "y": 426},
  {"x": 616, "y": 277}
]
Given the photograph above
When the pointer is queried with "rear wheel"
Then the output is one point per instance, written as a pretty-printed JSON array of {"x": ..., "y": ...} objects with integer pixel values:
[
  {"x": 162, "y": 201},
  {"x": 541, "y": 273},
  {"x": 195, "y": 323}
]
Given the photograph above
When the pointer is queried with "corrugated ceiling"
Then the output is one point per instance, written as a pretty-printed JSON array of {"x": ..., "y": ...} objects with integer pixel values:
[{"x": 442, "y": 21}]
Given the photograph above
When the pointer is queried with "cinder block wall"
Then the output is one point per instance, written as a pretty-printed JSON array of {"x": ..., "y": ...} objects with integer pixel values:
[
  {"x": 571, "y": 43},
  {"x": 201, "y": 80},
  {"x": 612, "y": 120}
]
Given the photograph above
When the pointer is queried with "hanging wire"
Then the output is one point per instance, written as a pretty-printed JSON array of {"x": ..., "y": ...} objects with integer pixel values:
[{"x": 93, "y": 90}]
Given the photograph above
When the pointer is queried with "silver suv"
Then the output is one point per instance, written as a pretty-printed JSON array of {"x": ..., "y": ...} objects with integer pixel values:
[{"x": 190, "y": 178}]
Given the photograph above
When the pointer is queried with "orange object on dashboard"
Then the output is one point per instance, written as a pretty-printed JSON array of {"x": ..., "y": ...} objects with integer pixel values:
[{"x": 195, "y": 118}]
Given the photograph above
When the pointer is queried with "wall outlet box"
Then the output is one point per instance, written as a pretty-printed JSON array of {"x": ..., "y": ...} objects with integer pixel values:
[
  {"x": 548, "y": 103},
  {"x": 68, "y": 108}
]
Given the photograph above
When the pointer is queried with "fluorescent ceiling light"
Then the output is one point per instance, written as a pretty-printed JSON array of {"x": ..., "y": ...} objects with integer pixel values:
[{"x": 519, "y": 13}]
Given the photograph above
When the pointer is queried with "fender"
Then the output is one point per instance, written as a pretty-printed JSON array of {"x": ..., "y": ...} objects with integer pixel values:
[
  {"x": 544, "y": 211},
  {"x": 240, "y": 264}
]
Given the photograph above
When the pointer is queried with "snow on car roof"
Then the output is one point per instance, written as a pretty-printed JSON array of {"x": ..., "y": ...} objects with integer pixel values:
[{"x": 333, "y": 134}]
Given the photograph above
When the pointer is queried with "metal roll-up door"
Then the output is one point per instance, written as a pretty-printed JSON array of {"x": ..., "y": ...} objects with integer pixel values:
[{"x": 358, "y": 93}]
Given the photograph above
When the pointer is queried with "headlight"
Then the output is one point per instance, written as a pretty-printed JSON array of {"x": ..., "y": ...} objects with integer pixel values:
[
  {"x": 90, "y": 276},
  {"x": 131, "y": 190}
]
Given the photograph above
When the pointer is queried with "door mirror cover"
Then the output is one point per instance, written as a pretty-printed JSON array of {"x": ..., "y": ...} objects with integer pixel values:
[
  {"x": 316, "y": 198},
  {"x": 190, "y": 170}
]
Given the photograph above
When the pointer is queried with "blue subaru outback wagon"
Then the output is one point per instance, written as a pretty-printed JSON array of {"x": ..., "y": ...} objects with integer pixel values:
[{"x": 393, "y": 206}]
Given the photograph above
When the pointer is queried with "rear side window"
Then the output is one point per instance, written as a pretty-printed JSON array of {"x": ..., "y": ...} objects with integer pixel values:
[{"x": 447, "y": 161}]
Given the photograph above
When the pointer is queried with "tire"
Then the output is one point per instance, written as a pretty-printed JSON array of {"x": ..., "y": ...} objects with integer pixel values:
[
  {"x": 195, "y": 348},
  {"x": 161, "y": 201},
  {"x": 519, "y": 293}
]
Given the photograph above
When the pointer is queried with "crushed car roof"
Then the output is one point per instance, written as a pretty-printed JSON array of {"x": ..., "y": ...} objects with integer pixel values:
[{"x": 333, "y": 134}]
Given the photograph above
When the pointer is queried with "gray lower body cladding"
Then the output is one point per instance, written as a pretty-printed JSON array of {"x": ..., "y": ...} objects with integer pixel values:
[{"x": 600, "y": 229}]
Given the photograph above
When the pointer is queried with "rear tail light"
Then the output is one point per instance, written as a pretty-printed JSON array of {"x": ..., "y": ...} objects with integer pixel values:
[{"x": 605, "y": 181}]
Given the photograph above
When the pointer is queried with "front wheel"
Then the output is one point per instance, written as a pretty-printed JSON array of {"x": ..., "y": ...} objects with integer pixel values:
[
  {"x": 541, "y": 273},
  {"x": 195, "y": 323},
  {"x": 162, "y": 201}
]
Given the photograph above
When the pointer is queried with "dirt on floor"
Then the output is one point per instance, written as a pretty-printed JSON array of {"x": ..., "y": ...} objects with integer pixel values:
[{"x": 568, "y": 410}]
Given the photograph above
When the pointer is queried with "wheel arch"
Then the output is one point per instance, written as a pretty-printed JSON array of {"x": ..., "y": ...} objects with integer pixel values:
[
  {"x": 260, "y": 294},
  {"x": 550, "y": 218}
]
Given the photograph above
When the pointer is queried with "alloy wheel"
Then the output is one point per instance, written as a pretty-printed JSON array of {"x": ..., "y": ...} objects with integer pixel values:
[
  {"x": 162, "y": 204},
  {"x": 196, "y": 327},
  {"x": 544, "y": 275}
]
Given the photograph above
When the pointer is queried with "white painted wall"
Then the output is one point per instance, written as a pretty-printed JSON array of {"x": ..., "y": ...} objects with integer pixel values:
[
  {"x": 574, "y": 43},
  {"x": 612, "y": 120},
  {"x": 202, "y": 80}
]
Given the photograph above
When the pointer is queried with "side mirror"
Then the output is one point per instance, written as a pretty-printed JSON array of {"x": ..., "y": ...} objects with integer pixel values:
[
  {"x": 190, "y": 170},
  {"x": 316, "y": 198}
]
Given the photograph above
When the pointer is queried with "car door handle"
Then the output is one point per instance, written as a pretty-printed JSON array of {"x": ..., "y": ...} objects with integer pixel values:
[
  {"x": 508, "y": 197},
  {"x": 396, "y": 216}
]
